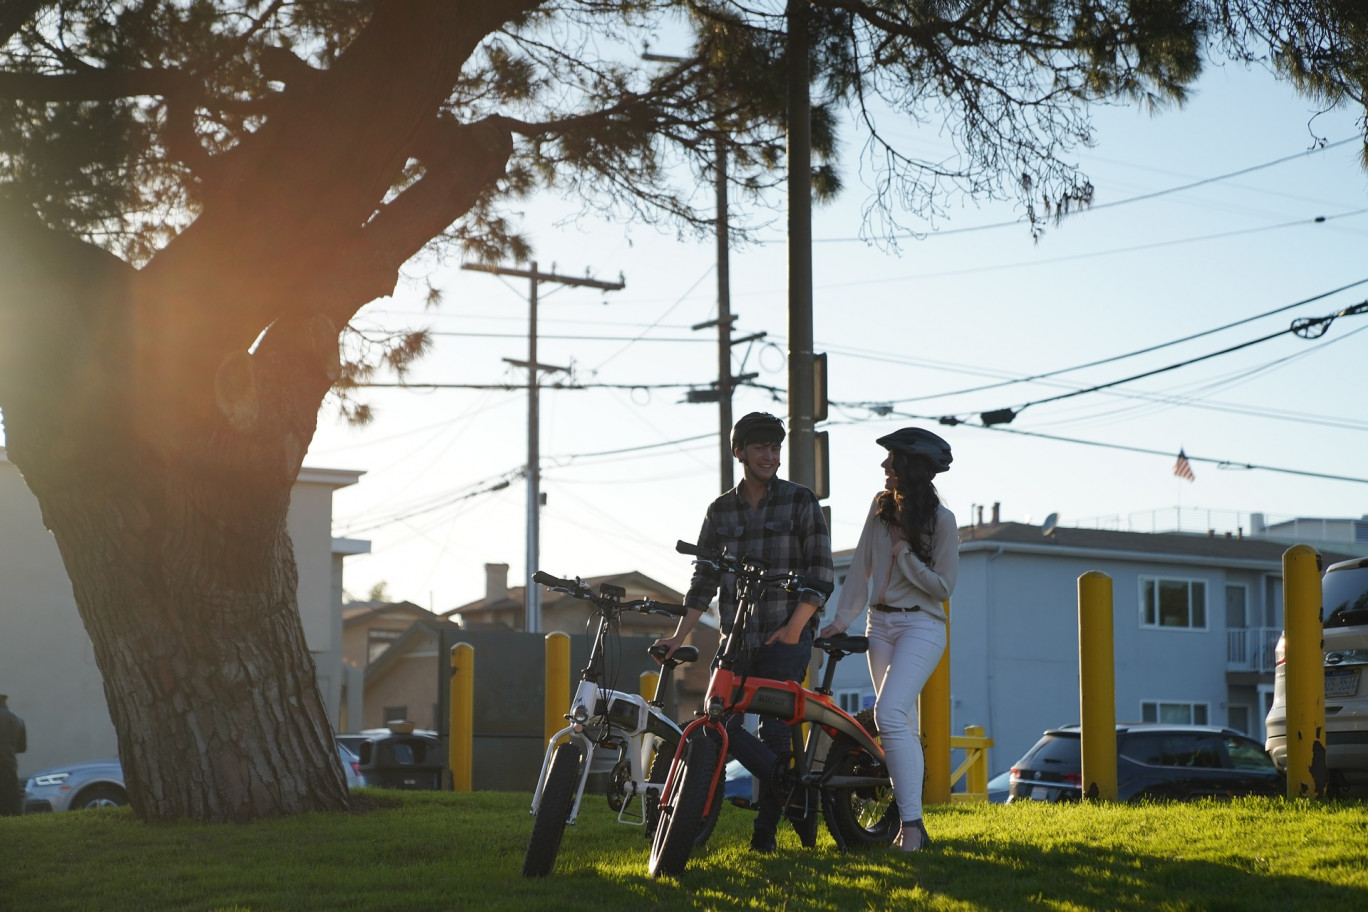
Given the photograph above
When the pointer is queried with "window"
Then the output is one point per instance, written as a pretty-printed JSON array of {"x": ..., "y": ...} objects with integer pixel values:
[
  {"x": 1173, "y": 603},
  {"x": 1237, "y": 617},
  {"x": 377, "y": 641},
  {"x": 851, "y": 701},
  {"x": 1173, "y": 713}
]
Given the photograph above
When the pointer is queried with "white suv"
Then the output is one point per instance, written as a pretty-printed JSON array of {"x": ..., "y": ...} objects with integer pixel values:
[{"x": 1344, "y": 601}]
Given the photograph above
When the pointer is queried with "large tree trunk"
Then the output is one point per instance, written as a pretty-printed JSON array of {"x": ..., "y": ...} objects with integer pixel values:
[
  {"x": 186, "y": 585},
  {"x": 167, "y": 496},
  {"x": 161, "y": 415}
]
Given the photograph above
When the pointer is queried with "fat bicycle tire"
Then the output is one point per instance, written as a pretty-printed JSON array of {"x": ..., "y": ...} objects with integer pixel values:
[
  {"x": 681, "y": 818},
  {"x": 660, "y": 770},
  {"x": 864, "y": 817},
  {"x": 553, "y": 810}
]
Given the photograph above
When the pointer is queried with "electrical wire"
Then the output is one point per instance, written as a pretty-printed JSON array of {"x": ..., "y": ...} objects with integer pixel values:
[{"x": 1016, "y": 223}]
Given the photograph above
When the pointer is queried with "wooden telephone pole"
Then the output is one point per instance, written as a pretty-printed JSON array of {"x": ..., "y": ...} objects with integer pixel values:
[{"x": 533, "y": 600}]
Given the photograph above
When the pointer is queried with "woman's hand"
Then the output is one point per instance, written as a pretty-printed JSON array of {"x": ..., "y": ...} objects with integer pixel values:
[{"x": 831, "y": 630}]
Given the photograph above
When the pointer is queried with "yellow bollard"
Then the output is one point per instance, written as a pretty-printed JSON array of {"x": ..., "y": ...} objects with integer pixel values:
[
  {"x": 1097, "y": 686},
  {"x": 976, "y": 779},
  {"x": 1304, "y": 662},
  {"x": 557, "y": 682},
  {"x": 461, "y": 751},
  {"x": 934, "y": 709},
  {"x": 648, "y": 684}
]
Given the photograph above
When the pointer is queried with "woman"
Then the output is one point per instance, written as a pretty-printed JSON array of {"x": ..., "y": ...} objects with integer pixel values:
[{"x": 904, "y": 567}]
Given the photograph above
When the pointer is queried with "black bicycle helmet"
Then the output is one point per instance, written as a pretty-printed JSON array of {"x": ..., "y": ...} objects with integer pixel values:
[
  {"x": 757, "y": 427},
  {"x": 919, "y": 442}
]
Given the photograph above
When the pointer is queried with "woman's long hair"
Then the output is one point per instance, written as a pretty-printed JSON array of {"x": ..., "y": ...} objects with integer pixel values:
[{"x": 912, "y": 505}]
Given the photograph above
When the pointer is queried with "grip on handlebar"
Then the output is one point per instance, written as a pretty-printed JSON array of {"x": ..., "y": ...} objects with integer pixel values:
[
  {"x": 684, "y": 547},
  {"x": 671, "y": 610},
  {"x": 551, "y": 582}
]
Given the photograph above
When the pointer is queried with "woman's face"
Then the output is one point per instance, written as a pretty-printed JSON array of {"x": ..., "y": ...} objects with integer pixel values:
[{"x": 890, "y": 477}]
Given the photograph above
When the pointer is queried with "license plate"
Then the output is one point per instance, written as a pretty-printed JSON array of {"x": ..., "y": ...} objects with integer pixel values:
[
  {"x": 1040, "y": 793},
  {"x": 1341, "y": 682}
]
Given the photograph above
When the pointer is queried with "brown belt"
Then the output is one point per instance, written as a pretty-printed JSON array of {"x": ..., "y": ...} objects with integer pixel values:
[{"x": 894, "y": 608}]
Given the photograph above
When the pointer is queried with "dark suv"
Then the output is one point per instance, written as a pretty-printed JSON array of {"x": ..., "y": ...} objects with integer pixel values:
[
  {"x": 1344, "y": 606},
  {"x": 1156, "y": 762}
]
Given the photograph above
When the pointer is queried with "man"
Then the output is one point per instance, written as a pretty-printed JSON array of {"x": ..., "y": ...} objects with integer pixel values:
[
  {"x": 13, "y": 740},
  {"x": 781, "y": 523}
]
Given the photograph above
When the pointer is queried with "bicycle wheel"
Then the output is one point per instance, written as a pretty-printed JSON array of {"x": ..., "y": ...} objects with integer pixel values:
[
  {"x": 681, "y": 818},
  {"x": 657, "y": 774},
  {"x": 866, "y": 816},
  {"x": 557, "y": 798},
  {"x": 660, "y": 769}
]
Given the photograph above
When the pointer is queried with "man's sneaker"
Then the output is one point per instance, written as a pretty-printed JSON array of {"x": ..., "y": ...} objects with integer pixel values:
[{"x": 762, "y": 841}]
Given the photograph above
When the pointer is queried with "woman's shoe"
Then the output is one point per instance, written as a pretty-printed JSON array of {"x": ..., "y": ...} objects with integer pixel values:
[{"x": 913, "y": 836}]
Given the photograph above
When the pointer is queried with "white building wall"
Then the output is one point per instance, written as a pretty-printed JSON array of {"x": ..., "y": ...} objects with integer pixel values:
[{"x": 47, "y": 664}]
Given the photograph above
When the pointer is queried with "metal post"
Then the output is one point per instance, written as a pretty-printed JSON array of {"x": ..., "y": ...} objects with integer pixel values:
[
  {"x": 801, "y": 461},
  {"x": 1097, "y": 685},
  {"x": 532, "y": 603},
  {"x": 1305, "y": 668},
  {"x": 557, "y": 683},
  {"x": 461, "y": 753},
  {"x": 934, "y": 706}
]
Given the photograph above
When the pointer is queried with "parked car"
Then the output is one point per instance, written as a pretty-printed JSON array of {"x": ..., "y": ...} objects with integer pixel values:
[
  {"x": 100, "y": 783},
  {"x": 1000, "y": 787},
  {"x": 1154, "y": 761},
  {"x": 1344, "y": 607},
  {"x": 399, "y": 756},
  {"x": 75, "y": 787}
]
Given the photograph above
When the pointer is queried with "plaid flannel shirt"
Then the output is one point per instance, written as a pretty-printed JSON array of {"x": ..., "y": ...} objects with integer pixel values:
[{"x": 786, "y": 530}]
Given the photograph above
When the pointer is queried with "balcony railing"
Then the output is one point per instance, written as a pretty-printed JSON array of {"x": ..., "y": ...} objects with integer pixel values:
[{"x": 1251, "y": 649}]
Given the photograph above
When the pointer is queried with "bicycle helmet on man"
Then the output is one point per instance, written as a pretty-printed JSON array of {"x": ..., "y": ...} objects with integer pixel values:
[
  {"x": 918, "y": 442},
  {"x": 757, "y": 427}
]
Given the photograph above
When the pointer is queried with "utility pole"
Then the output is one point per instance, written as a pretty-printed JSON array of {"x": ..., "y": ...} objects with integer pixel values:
[
  {"x": 533, "y": 599},
  {"x": 725, "y": 318},
  {"x": 802, "y": 398}
]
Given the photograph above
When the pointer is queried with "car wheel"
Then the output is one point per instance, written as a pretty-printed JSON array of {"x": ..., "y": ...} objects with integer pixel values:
[{"x": 99, "y": 796}]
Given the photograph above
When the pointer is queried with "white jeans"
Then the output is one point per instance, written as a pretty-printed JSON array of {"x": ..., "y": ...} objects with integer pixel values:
[{"x": 904, "y": 647}]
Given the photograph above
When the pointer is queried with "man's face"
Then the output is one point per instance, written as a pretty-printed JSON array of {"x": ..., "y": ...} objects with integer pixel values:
[{"x": 760, "y": 459}]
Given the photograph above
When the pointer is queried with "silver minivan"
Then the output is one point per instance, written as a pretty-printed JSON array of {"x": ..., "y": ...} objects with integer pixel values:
[{"x": 1344, "y": 601}]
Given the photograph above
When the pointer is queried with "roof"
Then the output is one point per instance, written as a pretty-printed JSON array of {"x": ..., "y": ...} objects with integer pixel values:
[
  {"x": 359, "y": 612},
  {"x": 1026, "y": 537}
]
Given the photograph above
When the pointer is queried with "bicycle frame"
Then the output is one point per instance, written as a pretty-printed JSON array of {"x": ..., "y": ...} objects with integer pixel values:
[
  {"x": 601, "y": 716},
  {"x": 731, "y": 691}
]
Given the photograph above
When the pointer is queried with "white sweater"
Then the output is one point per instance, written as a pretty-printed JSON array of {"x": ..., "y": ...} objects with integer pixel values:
[{"x": 883, "y": 572}]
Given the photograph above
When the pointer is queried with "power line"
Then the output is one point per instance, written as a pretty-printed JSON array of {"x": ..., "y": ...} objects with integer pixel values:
[
  {"x": 1016, "y": 223},
  {"x": 1302, "y": 327},
  {"x": 1220, "y": 463},
  {"x": 1131, "y": 354}
]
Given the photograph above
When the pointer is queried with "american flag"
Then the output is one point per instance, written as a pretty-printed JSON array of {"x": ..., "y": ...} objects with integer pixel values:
[{"x": 1182, "y": 468}]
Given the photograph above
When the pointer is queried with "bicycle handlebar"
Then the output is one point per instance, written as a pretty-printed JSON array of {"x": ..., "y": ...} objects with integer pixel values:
[
  {"x": 552, "y": 582},
  {"x": 578, "y": 589},
  {"x": 721, "y": 560}
]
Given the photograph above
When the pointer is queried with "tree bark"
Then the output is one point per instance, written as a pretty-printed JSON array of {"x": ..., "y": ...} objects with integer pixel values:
[{"x": 160, "y": 416}]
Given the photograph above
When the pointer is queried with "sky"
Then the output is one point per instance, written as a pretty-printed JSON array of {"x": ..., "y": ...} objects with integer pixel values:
[{"x": 1203, "y": 216}]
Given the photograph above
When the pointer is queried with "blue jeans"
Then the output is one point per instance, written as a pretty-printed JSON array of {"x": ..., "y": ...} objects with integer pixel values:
[{"x": 782, "y": 662}]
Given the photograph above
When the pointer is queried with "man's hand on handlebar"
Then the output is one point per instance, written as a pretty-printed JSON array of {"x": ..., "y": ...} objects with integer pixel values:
[{"x": 831, "y": 630}]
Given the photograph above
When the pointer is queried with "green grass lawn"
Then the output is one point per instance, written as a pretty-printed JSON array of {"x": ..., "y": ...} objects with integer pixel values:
[{"x": 433, "y": 851}]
